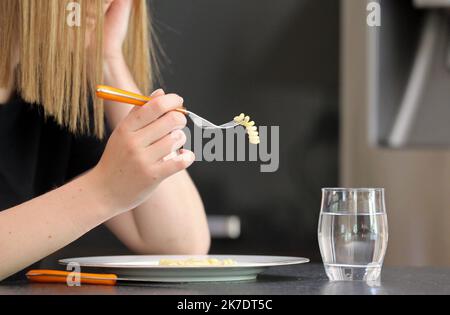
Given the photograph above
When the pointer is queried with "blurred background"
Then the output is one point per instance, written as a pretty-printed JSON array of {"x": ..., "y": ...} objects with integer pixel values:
[
  {"x": 394, "y": 110},
  {"x": 357, "y": 106},
  {"x": 279, "y": 63}
]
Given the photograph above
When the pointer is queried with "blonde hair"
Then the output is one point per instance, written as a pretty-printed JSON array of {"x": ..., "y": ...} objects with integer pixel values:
[{"x": 49, "y": 64}]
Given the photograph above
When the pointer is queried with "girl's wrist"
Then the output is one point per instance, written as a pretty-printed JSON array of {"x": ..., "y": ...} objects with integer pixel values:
[
  {"x": 112, "y": 59},
  {"x": 113, "y": 65},
  {"x": 103, "y": 200},
  {"x": 117, "y": 73}
]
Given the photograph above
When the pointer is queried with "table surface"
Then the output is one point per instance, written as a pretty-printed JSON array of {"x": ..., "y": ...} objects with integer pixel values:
[{"x": 289, "y": 280}]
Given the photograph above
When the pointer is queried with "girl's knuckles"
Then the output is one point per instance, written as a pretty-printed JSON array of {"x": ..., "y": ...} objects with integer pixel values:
[
  {"x": 180, "y": 165},
  {"x": 176, "y": 119},
  {"x": 158, "y": 106}
]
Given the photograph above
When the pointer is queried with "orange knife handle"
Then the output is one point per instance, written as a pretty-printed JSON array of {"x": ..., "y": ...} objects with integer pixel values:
[
  {"x": 58, "y": 276},
  {"x": 117, "y": 95}
]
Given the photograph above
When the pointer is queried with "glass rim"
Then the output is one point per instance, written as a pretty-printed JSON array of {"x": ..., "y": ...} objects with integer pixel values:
[{"x": 342, "y": 189}]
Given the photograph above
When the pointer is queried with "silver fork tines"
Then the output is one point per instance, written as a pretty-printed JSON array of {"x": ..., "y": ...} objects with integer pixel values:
[{"x": 205, "y": 124}]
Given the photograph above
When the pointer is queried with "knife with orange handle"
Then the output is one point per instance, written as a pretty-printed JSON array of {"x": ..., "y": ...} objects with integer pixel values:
[
  {"x": 117, "y": 95},
  {"x": 59, "y": 276}
]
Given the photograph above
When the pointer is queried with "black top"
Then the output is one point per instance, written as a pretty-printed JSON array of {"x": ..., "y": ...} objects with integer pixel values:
[{"x": 37, "y": 155}]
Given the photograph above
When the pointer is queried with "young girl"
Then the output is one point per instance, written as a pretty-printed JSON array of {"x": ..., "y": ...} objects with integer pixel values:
[{"x": 59, "y": 178}]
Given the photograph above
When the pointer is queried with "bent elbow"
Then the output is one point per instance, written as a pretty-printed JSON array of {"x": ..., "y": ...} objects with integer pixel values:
[{"x": 198, "y": 246}]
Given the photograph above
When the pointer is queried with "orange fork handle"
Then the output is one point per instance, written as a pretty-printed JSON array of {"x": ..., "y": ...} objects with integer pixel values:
[
  {"x": 117, "y": 95},
  {"x": 58, "y": 276}
]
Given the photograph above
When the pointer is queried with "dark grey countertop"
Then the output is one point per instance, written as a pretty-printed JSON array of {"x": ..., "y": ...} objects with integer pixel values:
[{"x": 290, "y": 280}]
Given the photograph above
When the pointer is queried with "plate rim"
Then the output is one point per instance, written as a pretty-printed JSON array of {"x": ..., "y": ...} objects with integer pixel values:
[{"x": 296, "y": 260}]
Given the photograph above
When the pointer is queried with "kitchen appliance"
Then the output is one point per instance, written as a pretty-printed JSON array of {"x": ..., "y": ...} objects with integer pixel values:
[{"x": 409, "y": 74}]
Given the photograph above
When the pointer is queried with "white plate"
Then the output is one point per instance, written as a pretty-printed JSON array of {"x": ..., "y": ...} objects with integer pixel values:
[{"x": 147, "y": 268}]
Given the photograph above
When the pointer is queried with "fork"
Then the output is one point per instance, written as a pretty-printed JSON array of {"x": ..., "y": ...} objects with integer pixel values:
[{"x": 113, "y": 94}]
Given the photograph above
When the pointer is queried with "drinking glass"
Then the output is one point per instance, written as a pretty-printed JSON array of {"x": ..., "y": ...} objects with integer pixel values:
[{"x": 353, "y": 233}]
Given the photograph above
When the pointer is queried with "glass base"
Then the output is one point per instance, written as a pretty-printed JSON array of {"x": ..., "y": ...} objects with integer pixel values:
[{"x": 353, "y": 272}]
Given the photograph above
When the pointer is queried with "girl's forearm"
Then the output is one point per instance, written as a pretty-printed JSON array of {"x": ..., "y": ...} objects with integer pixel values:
[
  {"x": 39, "y": 227},
  {"x": 117, "y": 74},
  {"x": 173, "y": 220}
]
